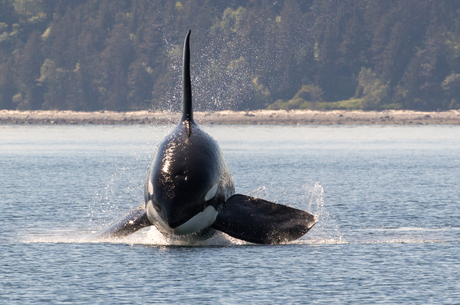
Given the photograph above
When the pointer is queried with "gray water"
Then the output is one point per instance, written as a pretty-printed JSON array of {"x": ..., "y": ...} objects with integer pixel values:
[{"x": 387, "y": 199}]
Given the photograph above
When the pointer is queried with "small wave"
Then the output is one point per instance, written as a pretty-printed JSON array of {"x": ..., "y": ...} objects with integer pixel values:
[
  {"x": 394, "y": 229},
  {"x": 407, "y": 241},
  {"x": 58, "y": 237},
  {"x": 325, "y": 241}
]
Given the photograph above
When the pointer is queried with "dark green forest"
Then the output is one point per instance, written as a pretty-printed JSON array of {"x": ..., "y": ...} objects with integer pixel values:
[{"x": 123, "y": 55}]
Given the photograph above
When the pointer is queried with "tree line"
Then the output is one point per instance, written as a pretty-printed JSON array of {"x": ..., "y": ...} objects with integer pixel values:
[{"x": 123, "y": 55}]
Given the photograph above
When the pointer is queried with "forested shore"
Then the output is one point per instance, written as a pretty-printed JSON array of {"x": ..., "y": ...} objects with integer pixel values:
[{"x": 125, "y": 55}]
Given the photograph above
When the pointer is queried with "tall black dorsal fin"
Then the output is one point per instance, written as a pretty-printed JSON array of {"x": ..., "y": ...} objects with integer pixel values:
[{"x": 187, "y": 114}]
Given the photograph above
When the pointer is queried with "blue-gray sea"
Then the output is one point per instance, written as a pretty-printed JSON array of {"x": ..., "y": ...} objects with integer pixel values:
[{"x": 387, "y": 199}]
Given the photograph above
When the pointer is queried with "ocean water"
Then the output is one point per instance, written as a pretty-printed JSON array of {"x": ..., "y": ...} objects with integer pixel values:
[{"x": 387, "y": 199}]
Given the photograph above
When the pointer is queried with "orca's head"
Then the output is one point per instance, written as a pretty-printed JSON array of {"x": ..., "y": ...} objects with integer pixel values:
[{"x": 188, "y": 182}]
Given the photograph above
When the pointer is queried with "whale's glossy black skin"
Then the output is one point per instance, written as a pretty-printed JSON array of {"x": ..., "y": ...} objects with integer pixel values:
[
  {"x": 187, "y": 164},
  {"x": 189, "y": 192}
]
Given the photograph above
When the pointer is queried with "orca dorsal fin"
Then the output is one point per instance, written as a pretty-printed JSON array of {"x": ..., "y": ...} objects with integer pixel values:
[{"x": 187, "y": 110}]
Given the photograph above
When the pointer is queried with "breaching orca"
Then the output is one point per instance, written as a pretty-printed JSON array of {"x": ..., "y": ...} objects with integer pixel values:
[{"x": 189, "y": 192}]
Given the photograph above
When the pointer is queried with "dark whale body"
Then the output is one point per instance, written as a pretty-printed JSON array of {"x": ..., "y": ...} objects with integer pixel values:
[{"x": 189, "y": 192}]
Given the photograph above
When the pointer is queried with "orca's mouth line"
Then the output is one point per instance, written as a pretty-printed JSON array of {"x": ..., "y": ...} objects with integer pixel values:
[{"x": 194, "y": 224}]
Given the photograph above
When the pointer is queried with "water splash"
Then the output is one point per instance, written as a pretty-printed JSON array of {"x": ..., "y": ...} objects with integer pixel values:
[
  {"x": 261, "y": 192},
  {"x": 223, "y": 70},
  {"x": 326, "y": 230},
  {"x": 151, "y": 236},
  {"x": 222, "y": 82}
]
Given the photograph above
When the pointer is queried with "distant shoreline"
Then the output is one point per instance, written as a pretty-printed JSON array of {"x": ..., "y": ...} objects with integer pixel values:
[{"x": 256, "y": 117}]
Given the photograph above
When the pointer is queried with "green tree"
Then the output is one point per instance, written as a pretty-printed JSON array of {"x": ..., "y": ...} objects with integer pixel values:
[
  {"x": 371, "y": 90},
  {"x": 8, "y": 87},
  {"x": 115, "y": 61},
  {"x": 8, "y": 13},
  {"x": 29, "y": 63},
  {"x": 140, "y": 86},
  {"x": 451, "y": 86}
]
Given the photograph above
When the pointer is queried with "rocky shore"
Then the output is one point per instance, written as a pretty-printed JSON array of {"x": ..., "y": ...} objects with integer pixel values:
[{"x": 258, "y": 117}]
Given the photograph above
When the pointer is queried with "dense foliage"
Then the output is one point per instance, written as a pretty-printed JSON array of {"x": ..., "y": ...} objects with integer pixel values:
[{"x": 309, "y": 54}]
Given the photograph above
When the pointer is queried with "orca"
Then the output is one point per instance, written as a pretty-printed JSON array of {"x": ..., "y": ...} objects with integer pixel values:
[{"x": 189, "y": 192}]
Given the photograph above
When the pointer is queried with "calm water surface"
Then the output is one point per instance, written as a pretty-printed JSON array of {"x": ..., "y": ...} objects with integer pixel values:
[{"x": 387, "y": 199}]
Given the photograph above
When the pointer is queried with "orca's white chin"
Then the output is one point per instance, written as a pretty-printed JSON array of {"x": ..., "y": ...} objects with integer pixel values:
[{"x": 195, "y": 224}]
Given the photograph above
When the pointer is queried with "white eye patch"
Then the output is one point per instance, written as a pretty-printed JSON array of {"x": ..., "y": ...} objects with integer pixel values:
[
  {"x": 150, "y": 186},
  {"x": 211, "y": 193}
]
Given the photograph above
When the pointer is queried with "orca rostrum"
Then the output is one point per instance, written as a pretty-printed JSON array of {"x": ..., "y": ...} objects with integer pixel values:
[{"x": 189, "y": 192}]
